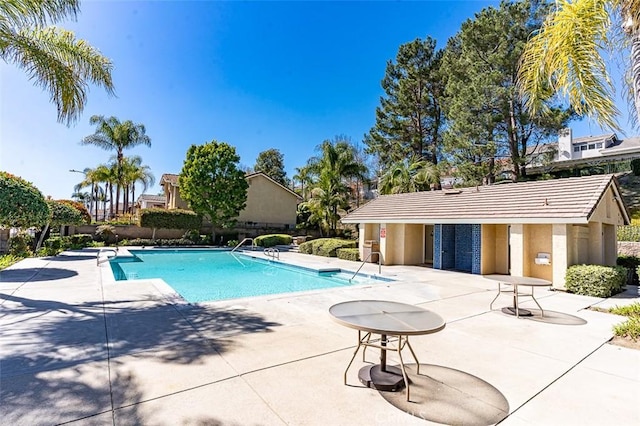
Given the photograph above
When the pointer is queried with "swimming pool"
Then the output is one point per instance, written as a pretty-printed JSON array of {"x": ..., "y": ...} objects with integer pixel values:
[{"x": 208, "y": 275}]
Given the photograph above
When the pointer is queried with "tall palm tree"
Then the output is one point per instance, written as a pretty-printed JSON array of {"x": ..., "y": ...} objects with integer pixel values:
[
  {"x": 330, "y": 194},
  {"x": 411, "y": 175},
  {"x": 135, "y": 172},
  {"x": 113, "y": 135},
  {"x": 565, "y": 57},
  {"x": 105, "y": 173},
  {"x": 52, "y": 57},
  {"x": 91, "y": 180},
  {"x": 303, "y": 176}
]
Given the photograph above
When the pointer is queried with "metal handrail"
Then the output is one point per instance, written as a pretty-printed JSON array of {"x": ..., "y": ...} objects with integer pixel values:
[
  {"x": 272, "y": 252},
  {"x": 253, "y": 244},
  {"x": 106, "y": 258},
  {"x": 365, "y": 261}
]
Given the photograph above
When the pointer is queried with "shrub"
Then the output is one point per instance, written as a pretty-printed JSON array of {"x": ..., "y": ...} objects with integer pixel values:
[
  {"x": 232, "y": 243},
  {"x": 51, "y": 247},
  {"x": 8, "y": 260},
  {"x": 193, "y": 235},
  {"x": 628, "y": 233},
  {"x": 273, "y": 240},
  {"x": 106, "y": 233},
  {"x": 81, "y": 240},
  {"x": 306, "y": 247},
  {"x": 20, "y": 245},
  {"x": 325, "y": 246},
  {"x": 64, "y": 214},
  {"x": 348, "y": 254},
  {"x": 635, "y": 167},
  {"x": 170, "y": 219},
  {"x": 630, "y": 328},
  {"x": 86, "y": 216},
  {"x": 21, "y": 204},
  {"x": 631, "y": 263},
  {"x": 595, "y": 280},
  {"x": 142, "y": 242}
]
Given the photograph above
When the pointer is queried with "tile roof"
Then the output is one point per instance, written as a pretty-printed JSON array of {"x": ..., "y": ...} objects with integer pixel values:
[
  {"x": 169, "y": 178},
  {"x": 570, "y": 200},
  {"x": 152, "y": 198}
]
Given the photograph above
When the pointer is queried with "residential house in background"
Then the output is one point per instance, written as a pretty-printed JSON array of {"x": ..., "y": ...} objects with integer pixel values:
[
  {"x": 536, "y": 228},
  {"x": 147, "y": 201},
  {"x": 590, "y": 151},
  {"x": 269, "y": 204}
]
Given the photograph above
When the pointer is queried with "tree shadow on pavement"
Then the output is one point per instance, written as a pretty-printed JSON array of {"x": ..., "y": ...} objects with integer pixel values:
[{"x": 55, "y": 354}]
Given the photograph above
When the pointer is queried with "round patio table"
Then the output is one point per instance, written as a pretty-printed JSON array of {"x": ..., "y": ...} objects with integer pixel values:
[
  {"x": 394, "y": 322},
  {"x": 515, "y": 282}
]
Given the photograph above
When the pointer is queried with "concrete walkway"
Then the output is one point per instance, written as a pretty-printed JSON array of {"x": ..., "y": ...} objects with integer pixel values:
[{"x": 78, "y": 347}]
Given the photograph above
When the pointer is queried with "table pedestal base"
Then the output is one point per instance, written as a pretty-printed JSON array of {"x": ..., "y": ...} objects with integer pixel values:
[
  {"x": 510, "y": 310},
  {"x": 373, "y": 377}
]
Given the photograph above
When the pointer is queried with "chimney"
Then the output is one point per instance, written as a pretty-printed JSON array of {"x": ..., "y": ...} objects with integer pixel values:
[{"x": 565, "y": 148}]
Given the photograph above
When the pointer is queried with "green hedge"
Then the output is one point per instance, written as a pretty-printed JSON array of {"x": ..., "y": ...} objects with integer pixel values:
[
  {"x": 349, "y": 254},
  {"x": 595, "y": 280},
  {"x": 628, "y": 233},
  {"x": 170, "y": 219},
  {"x": 170, "y": 242},
  {"x": 273, "y": 240},
  {"x": 325, "y": 246}
]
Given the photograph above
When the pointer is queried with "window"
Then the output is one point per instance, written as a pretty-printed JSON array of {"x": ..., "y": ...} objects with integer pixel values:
[
  {"x": 576, "y": 149},
  {"x": 583, "y": 147},
  {"x": 599, "y": 145},
  {"x": 592, "y": 146}
]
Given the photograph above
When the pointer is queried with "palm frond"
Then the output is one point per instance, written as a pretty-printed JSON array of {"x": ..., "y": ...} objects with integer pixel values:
[
  {"x": 565, "y": 57},
  {"x": 59, "y": 63},
  {"x": 38, "y": 13}
]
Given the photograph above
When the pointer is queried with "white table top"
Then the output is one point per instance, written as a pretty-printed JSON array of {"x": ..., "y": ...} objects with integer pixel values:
[
  {"x": 384, "y": 317},
  {"x": 512, "y": 279}
]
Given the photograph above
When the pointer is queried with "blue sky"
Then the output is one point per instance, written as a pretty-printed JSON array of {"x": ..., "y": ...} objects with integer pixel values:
[{"x": 257, "y": 75}]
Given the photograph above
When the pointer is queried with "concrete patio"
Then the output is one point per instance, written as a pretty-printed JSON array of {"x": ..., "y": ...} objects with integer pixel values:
[{"x": 78, "y": 347}]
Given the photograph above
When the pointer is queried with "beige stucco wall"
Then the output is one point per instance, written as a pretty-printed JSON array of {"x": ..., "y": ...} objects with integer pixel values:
[
  {"x": 367, "y": 231},
  {"x": 538, "y": 239},
  {"x": 174, "y": 201},
  {"x": 607, "y": 210},
  {"x": 412, "y": 253},
  {"x": 494, "y": 257},
  {"x": 392, "y": 245},
  {"x": 268, "y": 202}
]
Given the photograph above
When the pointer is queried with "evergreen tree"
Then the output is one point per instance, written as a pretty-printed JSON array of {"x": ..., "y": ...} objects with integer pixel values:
[
  {"x": 485, "y": 111},
  {"x": 271, "y": 163},
  {"x": 409, "y": 120}
]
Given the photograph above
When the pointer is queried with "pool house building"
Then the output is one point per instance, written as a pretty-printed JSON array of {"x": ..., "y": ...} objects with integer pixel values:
[{"x": 535, "y": 229}]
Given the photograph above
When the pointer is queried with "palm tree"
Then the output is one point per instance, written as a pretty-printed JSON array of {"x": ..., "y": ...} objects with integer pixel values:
[
  {"x": 105, "y": 173},
  {"x": 411, "y": 175},
  {"x": 303, "y": 176},
  {"x": 330, "y": 194},
  {"x": 113, "y": 135},
  {"x": 52, "y": 57},
  {"x": 135, "y": 172},
  {"x": 565, "y": 57},
  {"x": 91, "y": 180}
]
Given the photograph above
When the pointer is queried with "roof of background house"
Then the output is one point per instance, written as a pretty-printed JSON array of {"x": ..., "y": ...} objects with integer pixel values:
[
  {"x": 152, "y": 198},
  {"x": 250, "y": 176},
  {"x": 169, "y": 178},
  {"x": 595, "y": 139},
  {"x": 173, "y": 180},
  {"x": 571, "y": 200}
]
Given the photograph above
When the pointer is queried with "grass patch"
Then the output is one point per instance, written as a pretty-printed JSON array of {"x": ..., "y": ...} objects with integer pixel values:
[
  {"x": 631, "y": 327},
  {"x": 8, "y": 260}
]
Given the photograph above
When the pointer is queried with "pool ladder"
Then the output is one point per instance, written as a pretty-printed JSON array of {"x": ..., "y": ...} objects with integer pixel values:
[
  {"x": 273, "y": 253},
  {"x": 105, "y": 251},
  {"x": 365, "y": 261},
  {"x": 253, "y": 244}
]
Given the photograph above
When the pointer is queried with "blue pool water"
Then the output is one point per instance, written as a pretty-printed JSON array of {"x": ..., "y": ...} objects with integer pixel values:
[{"x": 206, "y": 275}]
